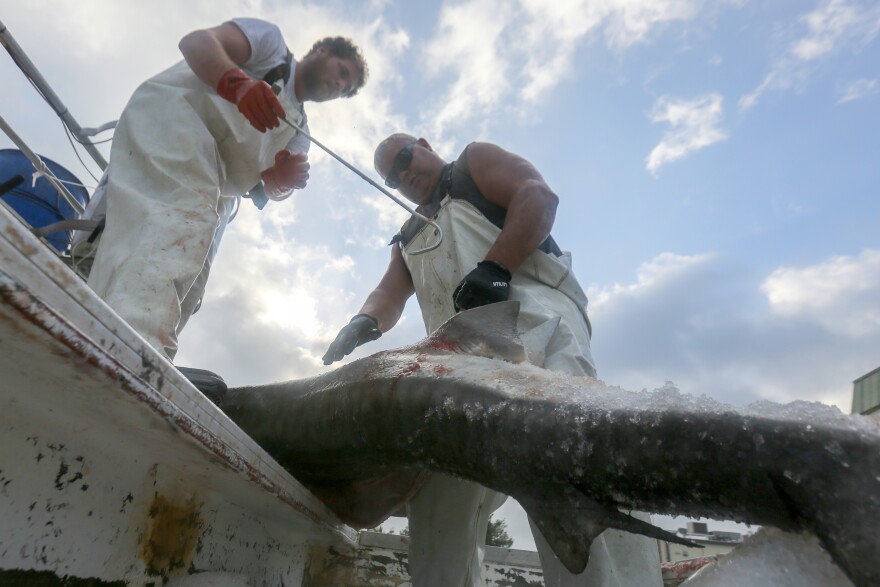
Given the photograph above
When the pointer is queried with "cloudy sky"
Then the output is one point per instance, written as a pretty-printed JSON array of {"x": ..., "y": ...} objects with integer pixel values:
[{"x": 716, "y": 163}]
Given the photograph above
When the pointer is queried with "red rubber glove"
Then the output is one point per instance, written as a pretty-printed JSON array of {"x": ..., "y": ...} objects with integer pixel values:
[
  {"x": 291, "y": 171},
  {"x": 254, "y": 98}
]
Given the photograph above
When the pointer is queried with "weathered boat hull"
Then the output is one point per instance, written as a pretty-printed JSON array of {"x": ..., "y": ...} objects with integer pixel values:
[{"x": 113, "y": 468}]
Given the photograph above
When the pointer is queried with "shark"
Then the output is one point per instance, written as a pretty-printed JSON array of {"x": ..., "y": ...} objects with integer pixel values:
[{"x": 471, "y": 400}]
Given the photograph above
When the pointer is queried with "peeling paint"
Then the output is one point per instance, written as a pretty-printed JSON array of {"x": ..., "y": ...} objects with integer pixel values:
[
  {"x": 328, "y": 567},
  {"x": 170, "y": 541},
  {"x": 14, "y": 295},
  {"x": 99, "y": 467}
]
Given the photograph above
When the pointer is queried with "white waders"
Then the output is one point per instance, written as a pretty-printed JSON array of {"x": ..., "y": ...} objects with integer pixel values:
[
  {"x": 448, "y": 517},
  {"x": 181, "y": 154}
]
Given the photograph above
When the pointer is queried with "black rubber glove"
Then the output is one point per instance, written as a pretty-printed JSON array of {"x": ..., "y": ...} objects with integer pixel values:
[
  {"x": 362, "y": 328},
  {"x": 487, "y": 284}
]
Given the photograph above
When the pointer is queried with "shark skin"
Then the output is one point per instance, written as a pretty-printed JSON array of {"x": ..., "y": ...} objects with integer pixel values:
[{"x": 573, "y": 451}]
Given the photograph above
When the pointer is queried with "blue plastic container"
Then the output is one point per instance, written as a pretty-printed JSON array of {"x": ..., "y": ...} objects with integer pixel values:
[{"x": 41, "y": 204}]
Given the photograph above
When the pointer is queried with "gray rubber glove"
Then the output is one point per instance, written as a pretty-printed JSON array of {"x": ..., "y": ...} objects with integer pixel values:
[{"x": 362, "y": 328}]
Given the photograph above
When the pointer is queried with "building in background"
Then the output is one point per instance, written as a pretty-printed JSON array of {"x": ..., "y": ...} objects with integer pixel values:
[
  {"x": 714, "y": 543},
  {"x": 383, "y": 559},
  {"x": 866, "y": 393}
]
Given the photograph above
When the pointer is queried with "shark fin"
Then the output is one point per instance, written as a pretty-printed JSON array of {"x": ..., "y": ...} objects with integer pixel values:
[
  {"x": 620, "y": 521},
  {"x": 537, "y": 340},
  {"x": 571, "y": 529},
  {"x": 488, "y": 331}
]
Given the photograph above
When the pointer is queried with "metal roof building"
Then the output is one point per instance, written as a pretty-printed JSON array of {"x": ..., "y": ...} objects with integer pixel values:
[{"x": 866, "y": 393}]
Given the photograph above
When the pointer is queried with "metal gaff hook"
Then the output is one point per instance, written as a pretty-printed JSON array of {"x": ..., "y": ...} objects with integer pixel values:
[{"x": 377, "y": 186}]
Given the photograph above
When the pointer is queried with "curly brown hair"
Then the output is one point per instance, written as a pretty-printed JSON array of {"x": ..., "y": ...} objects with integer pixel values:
[{"x": 343, "y": 48}]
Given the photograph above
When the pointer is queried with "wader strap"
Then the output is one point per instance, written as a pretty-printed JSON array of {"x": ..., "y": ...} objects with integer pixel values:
[{"x": 280, "y": 72}]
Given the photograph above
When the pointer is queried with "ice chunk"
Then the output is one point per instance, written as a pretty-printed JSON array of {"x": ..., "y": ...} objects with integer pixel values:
[{"x": 773, "y": 557}]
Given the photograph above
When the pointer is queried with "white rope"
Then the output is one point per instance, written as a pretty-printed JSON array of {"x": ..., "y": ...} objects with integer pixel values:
[
  {"x": 41, "y": 167},
  {"x": 38, "y": 174}
]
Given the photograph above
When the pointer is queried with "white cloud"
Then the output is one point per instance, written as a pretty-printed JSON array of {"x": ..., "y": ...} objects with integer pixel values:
[
  {"x": 828, "y": 26},
  {"x": 695, "y": 126},
  {"x": 834, "y": 26},
  {"x": 712, "y": 331},
  {"x": 841, "y": 294},
  {"x": 770, "y": 81},
  {"x": 632, "y": 21},
  {"x": 353, "y": 127},
  {"x": 468, "y": 42},
  {"x": 273, "y": 303},
  {"x": 859, "y": 89},
  {"x": 390, "y": 216},
  {"x": 553, "y": 31},
  {"x": 651, "y": 274},
  {"x": 293, "y": 309},
  {"x": 526, "y": 48}
]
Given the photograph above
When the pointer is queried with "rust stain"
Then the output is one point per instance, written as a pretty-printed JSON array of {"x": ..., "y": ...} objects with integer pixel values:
[
  {"x": 170, "y": 541},
  {"x": 33, "y": 310},
  {"x": 60, "y": 273},
  {"x": 22, "y": 243},
  {"x": 39, "y": 314},
  {"x": 328, "y": 568}
]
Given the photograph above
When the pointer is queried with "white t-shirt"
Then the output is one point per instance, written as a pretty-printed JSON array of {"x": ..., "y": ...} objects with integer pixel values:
[{"x": 268, "y": 51}]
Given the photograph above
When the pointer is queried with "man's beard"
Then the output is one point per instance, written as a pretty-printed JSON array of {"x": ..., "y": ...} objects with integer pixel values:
[{"x": 312, "y": 82}]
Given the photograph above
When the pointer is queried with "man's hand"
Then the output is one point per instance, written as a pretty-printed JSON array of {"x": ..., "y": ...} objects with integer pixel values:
[
  {"x": 254, "y": 98},
  {"x": 362, "y": 328},
  {"x": 487, "y": 284},
  {"x": 291, "y": 170}
]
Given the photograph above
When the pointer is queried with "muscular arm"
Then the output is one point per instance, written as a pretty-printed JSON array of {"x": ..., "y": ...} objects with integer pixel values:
[
  {"x": 386, "y": 302},
  {"x": 212, "y": 52},
  {"x": 510, "y": 181}
]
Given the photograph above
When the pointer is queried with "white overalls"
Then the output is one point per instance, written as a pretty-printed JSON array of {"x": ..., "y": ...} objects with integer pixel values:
[
  {"x": 448, "y": 516},
  {"x": 181, "y": 155}
]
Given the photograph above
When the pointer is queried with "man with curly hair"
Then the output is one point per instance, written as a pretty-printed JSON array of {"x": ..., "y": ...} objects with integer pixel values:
[{"x": 190, "y": 141}]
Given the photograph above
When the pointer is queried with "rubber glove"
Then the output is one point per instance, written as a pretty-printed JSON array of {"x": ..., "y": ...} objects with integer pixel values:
[
  {"x": 487, "y": 284},
  {"x": 291, "y": 170},
  {"x": 361, "y": 329},
  {"x": 254, "y": 98}
]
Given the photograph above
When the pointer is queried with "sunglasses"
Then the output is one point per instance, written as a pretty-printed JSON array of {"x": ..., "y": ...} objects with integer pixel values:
[{"x": 401, "y": 163}]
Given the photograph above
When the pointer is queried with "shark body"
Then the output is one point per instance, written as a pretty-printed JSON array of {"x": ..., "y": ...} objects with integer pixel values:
[{"x": 573, "y": 451}]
